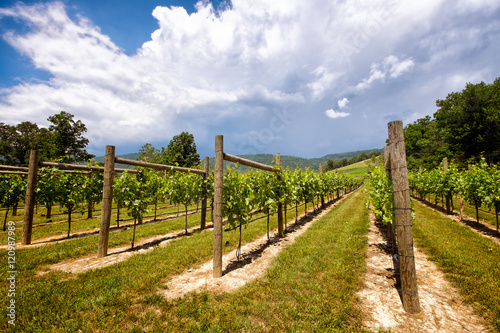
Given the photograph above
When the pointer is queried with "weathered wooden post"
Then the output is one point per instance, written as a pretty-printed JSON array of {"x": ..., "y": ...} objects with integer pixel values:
[
  {"x": 29, "y": 201},
  {"x": 390, "y": 228},
  {"x": 280, "y": 204},
  {"x": 402, "y": 208},
  {"x": 107, "y": 201},
  {"x": 218, "y": 183},
  {"x": 447, "y": 197},
  {"x": 204, "y": 200},
  {"x": 322, "y": 197}
]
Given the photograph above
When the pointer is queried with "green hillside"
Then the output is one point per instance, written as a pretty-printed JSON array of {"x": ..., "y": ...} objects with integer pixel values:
[{"x": 287, "y": 161}]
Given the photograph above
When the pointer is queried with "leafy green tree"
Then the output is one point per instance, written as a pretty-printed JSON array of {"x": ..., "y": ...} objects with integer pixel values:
[
  {"x": 469, "y": 120},
  {"x": 181, "y": 151},
  {"x": 424, "y": 144},
  {"x": 148, "y": 153},
  {"x": 17, "y": 141},
  {"x": 67, "y": 138}
]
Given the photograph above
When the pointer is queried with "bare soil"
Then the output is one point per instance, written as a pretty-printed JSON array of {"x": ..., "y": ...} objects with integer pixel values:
[
  {"x": 118, "y": 253},
  {"x": 78, "y": 234},
  {"x": 442, "y": 308}
]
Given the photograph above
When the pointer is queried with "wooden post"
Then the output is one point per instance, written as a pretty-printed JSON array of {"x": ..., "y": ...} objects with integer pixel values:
[
  {"x": 204, "y": 200},
  {"x": 280, "y": 204},
  {"x": 107, "y": 201},
  {"x": 390, "y": 228},
  {"x": 402, "y": 209},
  {"x": 322, "y": 197},
  {"x": 29, "y": 201},
  {"x": 218, "y": 184},
  {"x": 447, "y": 197}
]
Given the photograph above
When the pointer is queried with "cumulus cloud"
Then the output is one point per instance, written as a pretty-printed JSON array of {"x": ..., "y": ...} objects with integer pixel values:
[
  {"x": 331, "y": 113},
  {"x": 342, "y": 103},
  {"x": 240, "y": 63},
  {"x": 390, "y": 67}
]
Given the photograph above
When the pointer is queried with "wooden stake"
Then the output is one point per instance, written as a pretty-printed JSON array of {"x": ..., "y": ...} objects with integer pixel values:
[
  {"x": 447, "y": 197},
  {"x": 107, "y": 201},
  {"x": 280, "y": 204},
  {"x": 390, "y": 228},
  {"x": 322, "y": 197},
  {"x": 402, "y": 209},
  {"x": 29, "y": 202},
  {"x": 218, "y": 183},
  {"x": 204, "y": 200}
]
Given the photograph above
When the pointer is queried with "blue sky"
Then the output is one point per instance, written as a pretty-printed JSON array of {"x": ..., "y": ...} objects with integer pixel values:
[{"x": 304, "y": 78}]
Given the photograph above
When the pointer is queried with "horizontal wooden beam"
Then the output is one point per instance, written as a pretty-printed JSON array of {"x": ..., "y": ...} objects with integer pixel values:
[
  {"x": 64, "y": 166},
  {"x": 12, "y": 172},
  {"x": 244, "y": 161},
  {"x": 157, "y": 166},
  {"x": 10, "y": 167}
]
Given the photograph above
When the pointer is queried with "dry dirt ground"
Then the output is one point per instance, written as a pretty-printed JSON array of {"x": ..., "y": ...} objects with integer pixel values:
[
  {"x": 118, "y": 253},
  {"x": 79, "y": 234},
  {"x": 442, "y": 309}
]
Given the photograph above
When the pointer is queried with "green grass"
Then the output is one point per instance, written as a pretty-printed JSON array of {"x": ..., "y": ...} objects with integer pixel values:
[
  {"x": 359, "y": 169},
  {"x": 485, "y": 215},
  {"x": 469, "y": 260},
  {"x": 309, "y": 287}
]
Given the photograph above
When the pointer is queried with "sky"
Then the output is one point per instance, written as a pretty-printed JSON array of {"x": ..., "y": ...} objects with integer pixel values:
[{"x": 299, "y": 77}]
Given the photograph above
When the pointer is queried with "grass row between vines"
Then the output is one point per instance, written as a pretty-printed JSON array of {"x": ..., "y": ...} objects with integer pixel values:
[{"x": 469, "y": 260}]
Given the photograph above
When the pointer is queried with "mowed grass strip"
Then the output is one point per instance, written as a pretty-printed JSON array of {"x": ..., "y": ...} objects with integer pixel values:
[
  {"x": 103, "y": 299},
  {"x": 469, "y": 260}
]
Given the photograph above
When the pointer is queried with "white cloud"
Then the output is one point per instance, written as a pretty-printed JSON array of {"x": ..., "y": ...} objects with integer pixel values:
[
  {"x": 336, "y": 114},
  {"x": 390, "y": 67},
  {"x": 342, "y": 103},
  {"x": 255, "y": 56}
]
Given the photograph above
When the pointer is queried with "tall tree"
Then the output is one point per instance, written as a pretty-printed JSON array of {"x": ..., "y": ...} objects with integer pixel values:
[
  {"x": 424, "y": 144},
  {"x": 181, "y": 151},
  {"x": 67, "y": 136},
  {"x": 470, "y": 120},
  {"x": 17, "y": 141},
  {"x": 148, "y": 153}
]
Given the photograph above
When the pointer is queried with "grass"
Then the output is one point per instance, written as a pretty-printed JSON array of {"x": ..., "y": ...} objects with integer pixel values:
[
  {"x": 485, "y": 215},
  {"x": 469, "y": 260},
  {"x": 309, "y": 287},
  {"x": 359, "y": 169}
]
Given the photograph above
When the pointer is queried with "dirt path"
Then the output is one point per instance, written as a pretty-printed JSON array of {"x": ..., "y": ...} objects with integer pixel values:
[
  {"x": 484, "y": 229},
  {"x": 118, "y": 253},
  {"x": 257, "y": 256},
  {"x": 78, "y": 234},
  {"x": 442, "y": 308}
]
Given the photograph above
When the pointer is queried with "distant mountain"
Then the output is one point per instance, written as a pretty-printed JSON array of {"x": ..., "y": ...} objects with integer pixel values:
[{"x": 286, "y": 160}]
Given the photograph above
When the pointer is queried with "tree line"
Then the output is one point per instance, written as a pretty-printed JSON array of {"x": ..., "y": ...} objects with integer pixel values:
[
  {"x": 465, "y": 127},
  {"x": 63, "y": 141}
]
